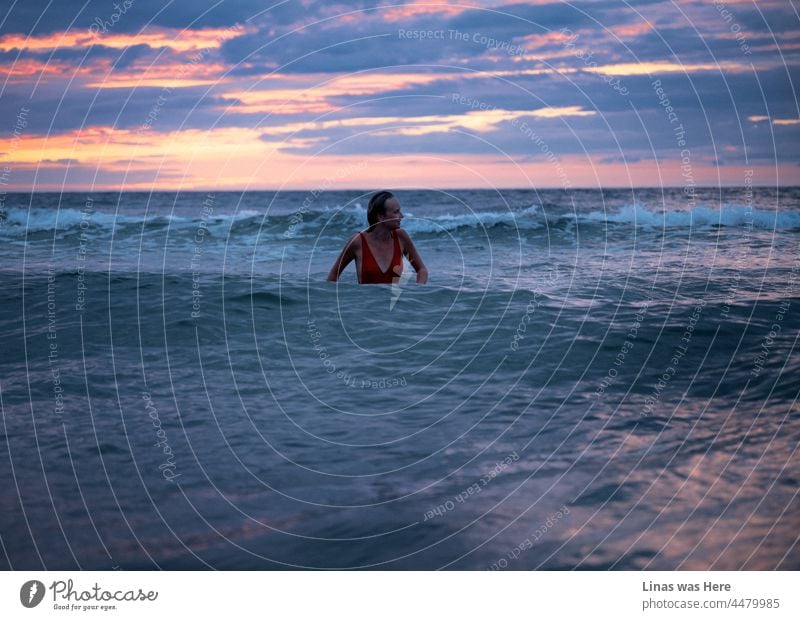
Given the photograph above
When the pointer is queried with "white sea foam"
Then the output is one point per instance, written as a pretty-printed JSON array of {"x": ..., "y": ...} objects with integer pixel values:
[
  {"x": 354, "y": 217},
  {"x": 699, "y": 217},
  {"x": 42, "y": 220}
]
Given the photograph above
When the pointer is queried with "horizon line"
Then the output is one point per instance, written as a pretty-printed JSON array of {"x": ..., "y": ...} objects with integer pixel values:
[{"x": 411, "y": 189}]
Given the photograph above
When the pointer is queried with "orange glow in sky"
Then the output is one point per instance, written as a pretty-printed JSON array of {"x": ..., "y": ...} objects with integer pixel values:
[{"x": 285, "y": 96}]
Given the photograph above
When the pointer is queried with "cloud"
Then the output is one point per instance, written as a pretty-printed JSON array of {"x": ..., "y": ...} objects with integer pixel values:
[
  {"x": 301, "y": 78},
  {"x": 782, "y": 122},
  {"x": 179, "y": 40},
  {"x": 42, "y": 17},
  {"x": 662, "y": 67}
]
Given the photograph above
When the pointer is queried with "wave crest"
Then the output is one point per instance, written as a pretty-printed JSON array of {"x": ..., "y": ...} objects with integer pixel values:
[{"x": 312, "y": 222}]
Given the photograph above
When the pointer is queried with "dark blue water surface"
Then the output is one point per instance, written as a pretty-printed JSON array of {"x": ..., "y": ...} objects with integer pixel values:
[{"x": 592, "y": 380}]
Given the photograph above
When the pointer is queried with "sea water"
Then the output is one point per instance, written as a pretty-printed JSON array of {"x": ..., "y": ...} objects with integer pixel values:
[{"x": 590, "y": 379}]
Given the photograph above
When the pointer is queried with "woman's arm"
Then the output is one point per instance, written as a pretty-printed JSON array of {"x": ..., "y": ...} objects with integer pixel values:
[
  {"x": 410, "y": 250},
  {"x": 345, "y": 257}
]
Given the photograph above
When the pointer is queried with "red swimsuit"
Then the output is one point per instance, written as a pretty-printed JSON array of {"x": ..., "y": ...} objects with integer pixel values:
[{"x": 370, "y": 270}]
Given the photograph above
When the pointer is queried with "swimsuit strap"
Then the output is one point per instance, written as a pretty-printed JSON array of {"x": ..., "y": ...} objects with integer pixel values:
[{"x": 397, "y": 254}]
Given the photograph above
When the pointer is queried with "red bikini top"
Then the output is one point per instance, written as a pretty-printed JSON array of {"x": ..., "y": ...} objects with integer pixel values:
[{"x": 370, "y": 270}]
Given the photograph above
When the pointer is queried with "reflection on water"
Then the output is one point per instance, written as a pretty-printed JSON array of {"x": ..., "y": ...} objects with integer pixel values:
[{"x": 635, "y": 373}]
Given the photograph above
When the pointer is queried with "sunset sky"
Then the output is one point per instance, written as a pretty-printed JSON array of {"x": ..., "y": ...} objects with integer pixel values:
[{"x": 145, "y": 94}]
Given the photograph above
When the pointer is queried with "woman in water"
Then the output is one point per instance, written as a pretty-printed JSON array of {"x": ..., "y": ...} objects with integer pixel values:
[{"x": 383, "y": 243}]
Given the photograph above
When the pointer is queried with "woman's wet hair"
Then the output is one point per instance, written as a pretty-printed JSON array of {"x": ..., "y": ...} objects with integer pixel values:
[{"x": 377, "y": 206}]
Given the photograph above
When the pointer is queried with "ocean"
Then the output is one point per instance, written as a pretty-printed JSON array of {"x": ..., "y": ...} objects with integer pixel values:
[{"x": 591, "y": 379}]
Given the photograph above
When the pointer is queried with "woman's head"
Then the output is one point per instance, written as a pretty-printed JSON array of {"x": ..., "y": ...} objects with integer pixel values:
[{"x": 376, "y": 211}]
